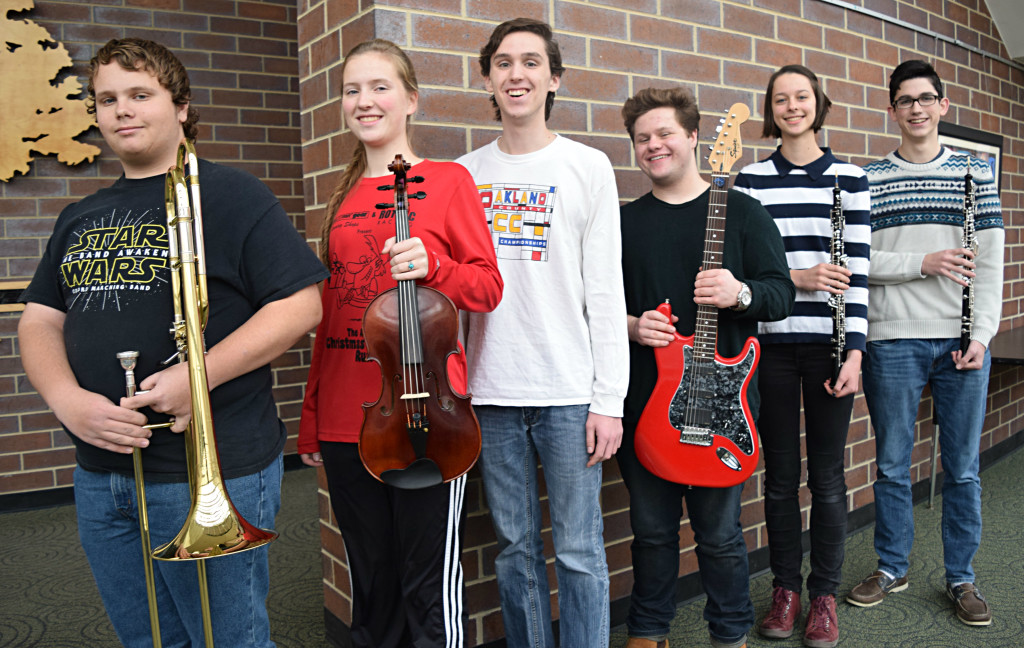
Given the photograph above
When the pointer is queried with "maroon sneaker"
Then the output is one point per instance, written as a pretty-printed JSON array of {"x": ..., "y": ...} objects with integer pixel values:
[
  {"x": 779, "y": 622},
  {"x": 822, "y": 629}
]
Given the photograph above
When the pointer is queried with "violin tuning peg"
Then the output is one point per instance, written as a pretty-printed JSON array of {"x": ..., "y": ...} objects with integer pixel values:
[
  {"x": 419, "y": 195},
  {"x": 384, "y": 205},
  {"x": 385, "y": 187},
  {"x": 415, "y": 179}
]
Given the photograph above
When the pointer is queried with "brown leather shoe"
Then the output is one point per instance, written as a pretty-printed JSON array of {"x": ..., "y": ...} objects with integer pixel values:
[
  {"x": 874, "y": 588},
  {"x": 970, "y": 605},
  {"x": 637, "y": 642},
  {"x": 779, "y": 622}
]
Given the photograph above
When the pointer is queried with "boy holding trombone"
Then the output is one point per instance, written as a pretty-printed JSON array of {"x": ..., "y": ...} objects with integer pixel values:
[{"x": 103, "y": 286}]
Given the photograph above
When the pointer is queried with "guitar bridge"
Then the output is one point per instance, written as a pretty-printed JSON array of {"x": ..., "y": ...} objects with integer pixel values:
[{"x": 695, "y": 436}]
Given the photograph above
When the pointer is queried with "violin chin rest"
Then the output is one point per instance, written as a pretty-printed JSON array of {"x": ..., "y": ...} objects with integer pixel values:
[{"x": 421, "y": 473}]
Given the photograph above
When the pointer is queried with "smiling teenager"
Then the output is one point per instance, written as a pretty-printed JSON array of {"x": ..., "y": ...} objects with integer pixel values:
[
  {"x": 548, "y": 367},
  {"x": 663, "y": 236},
  {"x": 403, "y": 545},
  {"x": 919, "y": 269},
  {"x": 796, "y": 185}
]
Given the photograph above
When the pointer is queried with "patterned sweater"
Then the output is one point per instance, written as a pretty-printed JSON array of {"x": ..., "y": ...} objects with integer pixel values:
[
  {"x": 799, "y": 199},
  {"x": 917, "y": 209}
]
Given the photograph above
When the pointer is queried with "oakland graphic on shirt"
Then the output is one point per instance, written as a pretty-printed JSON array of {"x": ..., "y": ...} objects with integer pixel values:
[{"x": 519, "y": 217}]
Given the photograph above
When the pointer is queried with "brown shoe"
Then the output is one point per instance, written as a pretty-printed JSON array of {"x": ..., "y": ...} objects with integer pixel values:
[
  {"x": 970, "y": 605},
  {"x": 779, "y": 622},
  {"x": 874, "y": 588},
  {"x": 637, "y": 642}
]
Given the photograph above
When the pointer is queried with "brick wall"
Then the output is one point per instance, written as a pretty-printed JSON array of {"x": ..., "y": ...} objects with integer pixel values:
[
  {"x": 241, "y": 56},
  {"x": 724, "y": 51}
]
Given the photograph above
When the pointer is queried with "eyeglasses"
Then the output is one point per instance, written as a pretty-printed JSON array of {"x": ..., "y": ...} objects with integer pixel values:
[{"x": 925, "y": 100}]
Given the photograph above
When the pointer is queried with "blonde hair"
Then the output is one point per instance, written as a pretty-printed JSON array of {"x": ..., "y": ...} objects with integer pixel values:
[{"x": 357, "y": 165}]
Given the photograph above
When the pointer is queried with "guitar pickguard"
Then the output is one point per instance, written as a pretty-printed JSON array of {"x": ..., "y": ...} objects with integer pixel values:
[{"x": 713, "y": 400}]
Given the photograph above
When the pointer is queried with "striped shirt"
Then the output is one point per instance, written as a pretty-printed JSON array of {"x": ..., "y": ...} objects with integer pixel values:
[{"x": 799, "y": 198}]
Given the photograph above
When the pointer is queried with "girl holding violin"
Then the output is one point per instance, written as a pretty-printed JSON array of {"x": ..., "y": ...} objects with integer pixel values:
[
  {"x": 797, "y": 185},
  {"x": 403, "y": 545}
]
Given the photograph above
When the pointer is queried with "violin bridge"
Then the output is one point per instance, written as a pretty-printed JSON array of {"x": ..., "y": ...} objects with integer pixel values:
[{"x": 411, "y": 396}]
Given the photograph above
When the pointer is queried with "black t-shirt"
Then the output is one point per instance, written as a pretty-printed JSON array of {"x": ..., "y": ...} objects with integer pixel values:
[
  {"x": 662, "y": 249},
  {"x": 106, "y": 267}
]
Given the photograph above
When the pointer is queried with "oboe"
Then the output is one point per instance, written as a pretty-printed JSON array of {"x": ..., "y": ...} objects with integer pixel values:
[
  {"x": 838, "y": 302},
  {"x": 970, "y": 242}
]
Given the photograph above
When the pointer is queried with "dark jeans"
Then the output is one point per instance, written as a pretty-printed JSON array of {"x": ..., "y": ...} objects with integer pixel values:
[
  {"x": 655, "y": 511},
  {"x": 787, "y": 371}
]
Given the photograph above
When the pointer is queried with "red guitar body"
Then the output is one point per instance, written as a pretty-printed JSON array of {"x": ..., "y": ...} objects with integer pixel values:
[{"x": 697, "y": 428}]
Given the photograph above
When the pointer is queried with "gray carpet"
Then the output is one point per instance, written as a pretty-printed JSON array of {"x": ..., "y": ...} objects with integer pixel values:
[{"x": 48, "y": 599}]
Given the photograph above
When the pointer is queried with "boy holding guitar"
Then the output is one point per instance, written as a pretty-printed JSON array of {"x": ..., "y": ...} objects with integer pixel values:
[{"x": 744, "y": 278}]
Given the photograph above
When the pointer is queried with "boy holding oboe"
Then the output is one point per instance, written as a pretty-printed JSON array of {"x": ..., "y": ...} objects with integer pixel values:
[{"x": 919, "y": 269}]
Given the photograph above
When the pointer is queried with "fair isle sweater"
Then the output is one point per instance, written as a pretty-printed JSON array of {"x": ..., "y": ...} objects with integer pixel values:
[
  {"x": 799, "y": 199},
  {"x": 917, "y": 209}
]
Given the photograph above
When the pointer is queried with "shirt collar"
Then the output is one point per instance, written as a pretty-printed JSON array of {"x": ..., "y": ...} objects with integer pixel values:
[{"x": 814, "y": 170}]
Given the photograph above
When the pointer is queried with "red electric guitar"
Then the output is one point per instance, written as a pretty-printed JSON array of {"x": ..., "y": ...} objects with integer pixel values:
[{"x": 697, "y": 428}]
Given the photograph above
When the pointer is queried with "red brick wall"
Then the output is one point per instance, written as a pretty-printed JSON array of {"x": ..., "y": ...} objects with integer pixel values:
[
  {"x": 724, "y": 51},
  {"x": 241, "y": 56}
]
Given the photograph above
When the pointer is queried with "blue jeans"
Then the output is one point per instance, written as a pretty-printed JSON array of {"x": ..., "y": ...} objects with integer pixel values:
[
  {"x": 895, "y": 373},
  {"x": 109, "y": 530},
  {"x": 655, "y": 510},
  {"x": 513, "y": 437}
]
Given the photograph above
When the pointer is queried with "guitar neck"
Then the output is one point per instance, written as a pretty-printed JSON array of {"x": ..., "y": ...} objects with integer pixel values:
[{"x": 706, "y": 331}]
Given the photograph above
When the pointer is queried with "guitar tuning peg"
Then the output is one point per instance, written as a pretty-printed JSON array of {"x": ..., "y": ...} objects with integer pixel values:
[
  {"x": 384, "y": 205},
  {"x": 385, "y": 187},
  {"x": 419, "y": 195}
]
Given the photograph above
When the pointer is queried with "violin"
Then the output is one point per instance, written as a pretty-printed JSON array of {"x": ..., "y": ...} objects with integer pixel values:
[{"x": 419, "y": 432}]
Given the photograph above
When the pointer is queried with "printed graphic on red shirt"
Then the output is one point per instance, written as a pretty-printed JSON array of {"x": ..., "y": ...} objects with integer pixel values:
[
  {"x": 356, "y": 282},
  {"x": 110, "y": 261},
  {"x": 519, "y": 217}
]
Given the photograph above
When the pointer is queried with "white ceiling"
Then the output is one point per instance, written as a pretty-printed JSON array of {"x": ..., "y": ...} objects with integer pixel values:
[{"x": 1009, "y": 18}]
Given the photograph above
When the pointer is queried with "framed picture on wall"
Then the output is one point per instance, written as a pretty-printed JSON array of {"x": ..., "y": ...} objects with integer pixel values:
[{"x": 980, "y": 144}]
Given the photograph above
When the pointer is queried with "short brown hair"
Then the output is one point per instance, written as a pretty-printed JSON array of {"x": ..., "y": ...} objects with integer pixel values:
[
  {"x": 135, "y": 53},
  {"x": 770, "y": 130},
  {"x": 680, "y": 99},
  {"x": 537, "y": 27}
]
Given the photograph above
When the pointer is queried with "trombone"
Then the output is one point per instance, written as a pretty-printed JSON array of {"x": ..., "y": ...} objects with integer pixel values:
[{"x": 213, "y": 527}]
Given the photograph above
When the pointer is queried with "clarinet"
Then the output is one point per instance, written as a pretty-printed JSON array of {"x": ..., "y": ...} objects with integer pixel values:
[
  {"x": 970, "y": 242},
  {"x": 838, "y": 302}
]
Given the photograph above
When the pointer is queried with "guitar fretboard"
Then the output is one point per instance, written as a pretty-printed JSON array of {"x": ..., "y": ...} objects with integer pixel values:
[{"x": 706, "y": 332}]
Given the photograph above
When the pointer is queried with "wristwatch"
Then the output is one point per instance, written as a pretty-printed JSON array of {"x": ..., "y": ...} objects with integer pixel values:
[{"x": 743, "y": 299}]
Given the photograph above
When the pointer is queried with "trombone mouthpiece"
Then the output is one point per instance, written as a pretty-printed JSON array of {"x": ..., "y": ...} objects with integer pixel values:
[{"x": 128, "y": 359}]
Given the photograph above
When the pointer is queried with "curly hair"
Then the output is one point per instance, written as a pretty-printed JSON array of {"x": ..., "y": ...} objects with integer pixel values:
[
  {"x": 138, "y": 53},
  {"x": 680, "y": 99}
]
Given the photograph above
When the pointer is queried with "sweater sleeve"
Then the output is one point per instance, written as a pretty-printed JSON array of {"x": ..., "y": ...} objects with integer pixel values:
[
  {"x": 469, "y": 275},
  {"x": 605, "y": 301}
]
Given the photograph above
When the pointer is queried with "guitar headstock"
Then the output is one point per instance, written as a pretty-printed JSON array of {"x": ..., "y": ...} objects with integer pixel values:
[{"x": 728, "y": 148}]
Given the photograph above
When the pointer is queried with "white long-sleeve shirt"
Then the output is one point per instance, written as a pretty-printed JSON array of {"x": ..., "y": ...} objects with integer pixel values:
[{"x": 558, "y": 337}]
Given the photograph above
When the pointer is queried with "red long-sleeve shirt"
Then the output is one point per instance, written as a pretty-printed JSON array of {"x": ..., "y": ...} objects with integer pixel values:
[{"x": 451, "y": 223}]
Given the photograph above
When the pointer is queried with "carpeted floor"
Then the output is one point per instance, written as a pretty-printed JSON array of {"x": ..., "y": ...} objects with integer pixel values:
[
  {"x": 48, "y": 599},
  {"x": 921, "y": 616}
]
